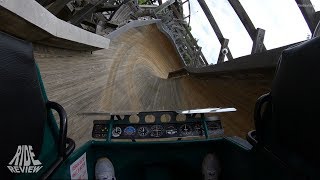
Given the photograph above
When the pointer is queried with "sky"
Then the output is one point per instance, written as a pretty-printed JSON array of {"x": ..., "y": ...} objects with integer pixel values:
[{"x": 281, "y": 19}]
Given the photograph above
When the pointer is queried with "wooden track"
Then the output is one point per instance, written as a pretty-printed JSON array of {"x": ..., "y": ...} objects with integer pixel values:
[{"x": 132, "y": 76}]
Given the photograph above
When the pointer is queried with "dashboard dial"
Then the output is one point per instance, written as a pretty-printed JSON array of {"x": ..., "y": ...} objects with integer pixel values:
[
  {"x": 130, "y": 131},
  {"x": 116, "y": 132},
  {"x": 186, "y": 130},
  {"x": 171, "y": 130},
  {"x": 199, "y": 129},
  {"x": 156, "y": 130},
  {"x": 143, "y": 131}
]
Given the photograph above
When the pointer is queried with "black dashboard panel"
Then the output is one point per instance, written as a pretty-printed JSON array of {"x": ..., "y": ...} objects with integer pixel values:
[
  {"x": 189, "y": 128},
  {"x": 100, "y": 129},
  {"x": 158, "y": 124}
]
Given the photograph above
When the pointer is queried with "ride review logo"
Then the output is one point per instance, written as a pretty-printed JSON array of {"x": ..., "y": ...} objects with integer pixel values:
[{"x": 23, "y": 161}]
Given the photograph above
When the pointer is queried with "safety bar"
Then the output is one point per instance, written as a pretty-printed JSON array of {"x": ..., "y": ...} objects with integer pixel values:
[
  {"x": 63, "y": 150},
  {"x": 257, "y": 114}
]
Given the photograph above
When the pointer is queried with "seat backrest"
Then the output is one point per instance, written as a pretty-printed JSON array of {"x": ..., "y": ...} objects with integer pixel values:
[
  {"x": 290, "y": 122},
  {"x": 22, "y": 106}
]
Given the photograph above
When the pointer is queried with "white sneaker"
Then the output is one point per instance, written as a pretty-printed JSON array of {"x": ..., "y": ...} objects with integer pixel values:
[
  {"x": 104, "y": 169},
  {"x": 211, "y": 167}
]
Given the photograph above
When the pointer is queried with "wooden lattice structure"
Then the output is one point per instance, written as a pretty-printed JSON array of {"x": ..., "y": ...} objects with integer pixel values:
[{"x": 104, "y": 16}]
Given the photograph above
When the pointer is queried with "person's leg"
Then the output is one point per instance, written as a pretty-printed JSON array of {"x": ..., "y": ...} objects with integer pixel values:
[
  {"x": 211, "y": 167},
  {"x": 104, "y": 169}
]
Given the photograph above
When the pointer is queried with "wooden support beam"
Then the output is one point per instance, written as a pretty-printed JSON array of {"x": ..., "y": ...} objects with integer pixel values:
[
  {"x": 222, "y": 54},
  {"x": 101, "y": 17},
  {"x": 107, "y": 7},
  {"x": 57, "y": 6},
  {"x": 99, "y": 28},
  {"x": 211, "y": 19},
  {"x": 81, "y": 14},
  {"x": 163, "y": 6},
  {"x": 184, "y": 2},
  {"x": 308, "y": 13},
  {"x": 257, "y": 45},
  {"x": 245, "y": 19},
  {"x": 187, "y": 16},
  {"x": 44, "y": 2},
  {"x": 87, "y": 10},
  {"x": 176, "y": 13},
  {"x": 214, "y": 25}
]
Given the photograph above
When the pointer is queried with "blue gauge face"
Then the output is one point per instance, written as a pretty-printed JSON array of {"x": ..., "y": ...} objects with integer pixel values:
[{"x": 130, "y": 131}]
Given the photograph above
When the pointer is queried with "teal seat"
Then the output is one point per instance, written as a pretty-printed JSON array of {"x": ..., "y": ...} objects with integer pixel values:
[
  {"x": 28, "y": 127},
  {"x": 164, "y": 160},
  {"x": 286, "y": 129}
]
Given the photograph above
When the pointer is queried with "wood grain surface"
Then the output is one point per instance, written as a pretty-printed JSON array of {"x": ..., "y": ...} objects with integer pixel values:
[{"x": 132, "y": 76}]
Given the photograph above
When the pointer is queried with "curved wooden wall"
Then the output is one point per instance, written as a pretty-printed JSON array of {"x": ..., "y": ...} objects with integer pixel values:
[{"x": 132, "y": 75}]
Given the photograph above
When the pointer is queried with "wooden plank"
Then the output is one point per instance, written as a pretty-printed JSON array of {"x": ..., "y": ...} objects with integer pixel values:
[
  {"x": 245, "y": 19},
  {"x": 257, "y": 45},
  {"x": 308, "y": 13},
  {"x": 223, "y": 48}
]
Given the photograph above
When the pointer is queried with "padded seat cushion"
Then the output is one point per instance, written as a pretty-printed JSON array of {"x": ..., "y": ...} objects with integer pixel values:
[
  {"x": 22, "y": 107},
  {"x": 291, "y": 120}
]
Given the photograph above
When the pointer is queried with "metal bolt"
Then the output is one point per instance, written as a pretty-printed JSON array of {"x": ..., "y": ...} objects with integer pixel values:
[{"x": 224, "y": 51}]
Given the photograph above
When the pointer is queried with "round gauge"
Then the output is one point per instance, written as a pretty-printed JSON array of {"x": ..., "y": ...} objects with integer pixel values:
[
  {"x": 130, "y": 131},
  {"x": 116, "y": 132},
  {"x": 199, "y": 129},
  {"x": 186, "y": 130},
  {"x": 156, "y": 130},
  {"x": 171, "y": 130},
  {"x": 143, "y": 131}
]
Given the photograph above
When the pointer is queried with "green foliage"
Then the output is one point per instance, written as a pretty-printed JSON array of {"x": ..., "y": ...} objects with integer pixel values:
[{"x": 142, "y": 1}]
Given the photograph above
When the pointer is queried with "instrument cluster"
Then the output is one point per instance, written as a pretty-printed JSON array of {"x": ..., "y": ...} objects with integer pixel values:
[{"x": 163, "y": 130}]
